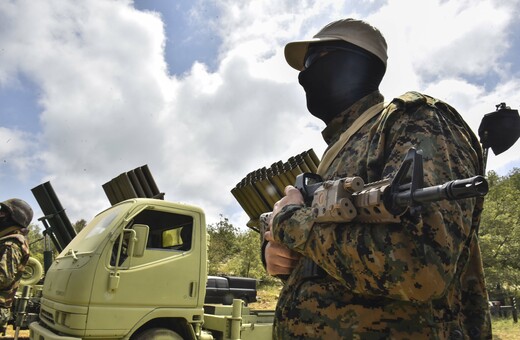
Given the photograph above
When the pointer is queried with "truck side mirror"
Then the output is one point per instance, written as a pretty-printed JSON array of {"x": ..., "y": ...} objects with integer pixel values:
[{"x": 141, "y": 233}]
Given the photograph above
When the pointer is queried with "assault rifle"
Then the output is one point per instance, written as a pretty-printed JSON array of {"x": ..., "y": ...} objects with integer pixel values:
[
  {"x": 383, "y": 201},
  {"x": 350, "y": 199}
]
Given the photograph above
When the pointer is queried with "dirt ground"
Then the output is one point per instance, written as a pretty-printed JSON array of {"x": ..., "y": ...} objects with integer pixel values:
[{"x": 9, "y": 334}]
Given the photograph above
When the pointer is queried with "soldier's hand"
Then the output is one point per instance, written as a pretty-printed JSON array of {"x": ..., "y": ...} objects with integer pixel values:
[
  {"x": 279, "y": 259},
  {"x": 292, "y": 196}
]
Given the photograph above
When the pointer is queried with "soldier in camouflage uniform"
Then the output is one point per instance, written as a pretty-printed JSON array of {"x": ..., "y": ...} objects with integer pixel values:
[
  {"x": 15, "y": 216},
  {"x": 421, "y": 278}
]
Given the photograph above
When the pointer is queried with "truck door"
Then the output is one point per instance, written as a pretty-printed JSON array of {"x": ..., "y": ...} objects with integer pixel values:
[{"x": 167, "y": 275}]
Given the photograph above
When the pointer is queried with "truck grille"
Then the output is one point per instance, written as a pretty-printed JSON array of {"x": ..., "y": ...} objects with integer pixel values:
[{"x": 45, "y": 315}]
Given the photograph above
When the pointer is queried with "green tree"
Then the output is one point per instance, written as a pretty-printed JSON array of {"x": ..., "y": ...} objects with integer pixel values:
[
  {"x": 223, "y": 245},
  {"x": 36, "y": 242},
  {"x": 234, "y": 252},
  {"x": 247, "y": 263},
  {"x": 79, "y": 225},
  {"x": 500, "y": 231}
]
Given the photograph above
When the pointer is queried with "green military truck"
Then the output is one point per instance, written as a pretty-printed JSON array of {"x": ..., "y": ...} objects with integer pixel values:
[{"x": 138, "y": 270}]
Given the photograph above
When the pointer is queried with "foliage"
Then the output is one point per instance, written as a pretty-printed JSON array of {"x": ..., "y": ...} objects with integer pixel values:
[
  {"x": 36, "y": 242},
  {"x": 247, "y": 261},
  {"x": 79, "y": 225},
  {"x": 500, "y": 232},
  {"x": 222, "y": 244},
  {"x": 505, "y": 329},
  {"x": 234, "y": 252}
]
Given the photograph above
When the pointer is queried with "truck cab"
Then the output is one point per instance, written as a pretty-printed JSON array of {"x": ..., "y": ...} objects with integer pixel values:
[
  {"x": 223, "y": 289},
  {"x": 138, "y": 265}
]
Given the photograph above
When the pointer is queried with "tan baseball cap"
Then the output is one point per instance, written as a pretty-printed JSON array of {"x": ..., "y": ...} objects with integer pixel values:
[{"x": 357, "y": 32}]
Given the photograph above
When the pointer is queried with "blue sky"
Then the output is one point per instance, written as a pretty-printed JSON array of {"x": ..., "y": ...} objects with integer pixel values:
[
  {"x": 200, "y": 91},
  {"x": 187, "y": 39}
]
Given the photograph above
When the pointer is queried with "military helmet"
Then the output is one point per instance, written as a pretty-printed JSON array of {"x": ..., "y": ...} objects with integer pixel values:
[{"x": 19, "y": 210}]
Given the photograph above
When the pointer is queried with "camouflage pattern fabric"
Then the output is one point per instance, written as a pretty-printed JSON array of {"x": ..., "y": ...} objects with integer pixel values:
[
  {"x": 421, "y": 278},
  {"x": 5, "y": 316},
  {"x": 14, "y": 254}
]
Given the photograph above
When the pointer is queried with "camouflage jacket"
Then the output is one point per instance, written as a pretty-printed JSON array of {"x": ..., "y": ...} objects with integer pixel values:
[
  {"x": 421, "y": 278},
  {"x": 14, "y": 254}
]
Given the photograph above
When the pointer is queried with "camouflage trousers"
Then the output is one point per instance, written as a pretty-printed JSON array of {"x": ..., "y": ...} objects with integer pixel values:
[{"x": 5, "y": 314}]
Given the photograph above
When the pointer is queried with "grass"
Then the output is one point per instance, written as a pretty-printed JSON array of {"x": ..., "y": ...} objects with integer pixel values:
[
  {"x": 505, "y": 329},
  {"x": 267, "y": 297}
]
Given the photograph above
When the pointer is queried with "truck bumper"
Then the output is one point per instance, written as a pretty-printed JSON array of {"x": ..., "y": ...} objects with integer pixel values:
[{"x": 38, "y": 332}]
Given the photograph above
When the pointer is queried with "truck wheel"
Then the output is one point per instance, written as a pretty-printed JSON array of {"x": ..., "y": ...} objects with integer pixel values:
[
  {"x": 33, "y": 272},
  {"x": 227, "y": 299},
  {"x": 158, "y": 334},
  {"x": 245, "y": 299}
]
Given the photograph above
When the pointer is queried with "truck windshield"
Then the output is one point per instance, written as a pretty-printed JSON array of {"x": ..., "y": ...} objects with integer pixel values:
[{"x": 92, "y": 235}]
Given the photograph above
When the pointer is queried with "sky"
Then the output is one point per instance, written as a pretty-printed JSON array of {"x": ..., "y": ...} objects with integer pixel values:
[{"x": 199, "y": 90}]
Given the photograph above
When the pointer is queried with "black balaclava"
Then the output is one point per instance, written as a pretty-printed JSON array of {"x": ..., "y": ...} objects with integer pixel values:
[{"x": 339, "y": 78}]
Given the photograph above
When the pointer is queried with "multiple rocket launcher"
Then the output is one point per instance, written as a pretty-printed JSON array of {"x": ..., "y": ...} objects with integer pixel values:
[{"x": 259, "y": 190}]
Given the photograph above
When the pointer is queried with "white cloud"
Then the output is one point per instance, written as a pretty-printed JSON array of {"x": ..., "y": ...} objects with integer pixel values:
[
  {"x": 15, "y": 156},
  {"x": 109, "y": 104},
  {"x": 453, "y": 50},
  {"x": 447, "y": 38},
  {"x": 473, "y": 102}
]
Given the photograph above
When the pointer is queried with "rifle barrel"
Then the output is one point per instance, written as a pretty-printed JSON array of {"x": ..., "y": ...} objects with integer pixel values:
[{"x": 452, "y": 190}]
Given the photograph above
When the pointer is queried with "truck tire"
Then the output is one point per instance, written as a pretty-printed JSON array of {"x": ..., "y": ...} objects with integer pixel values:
[
  {"x": 158, "y": 334},
  {"x": 245, "y": 299},
  {"x": 33, "y": 272}
]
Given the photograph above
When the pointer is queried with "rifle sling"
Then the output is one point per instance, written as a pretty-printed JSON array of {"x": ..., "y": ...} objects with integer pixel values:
[
  {"x": 310, "y": 268},
  {"x": 333, "y": 151}
]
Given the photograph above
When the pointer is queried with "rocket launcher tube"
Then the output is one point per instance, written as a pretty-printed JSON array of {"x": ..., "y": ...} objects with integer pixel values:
[{"x": 311, "y": 160}]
